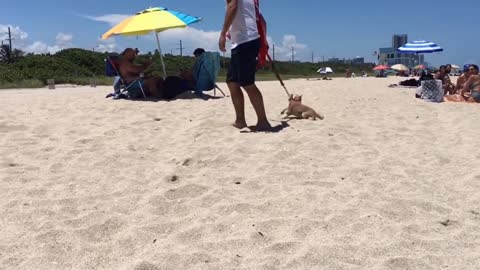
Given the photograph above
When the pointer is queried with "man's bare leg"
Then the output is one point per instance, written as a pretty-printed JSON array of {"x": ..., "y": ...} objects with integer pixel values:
[
  {"x": 256, "y": 99},
  {"x": 239, "y": 105}
]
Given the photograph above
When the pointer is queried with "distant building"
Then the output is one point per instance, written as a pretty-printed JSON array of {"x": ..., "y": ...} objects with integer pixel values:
[
  {"x": 334, "y": 60},
  {"x": 399, "y": 40},
  {"x": 389, "y": 56},
  {"x": 358, "y": 61}
]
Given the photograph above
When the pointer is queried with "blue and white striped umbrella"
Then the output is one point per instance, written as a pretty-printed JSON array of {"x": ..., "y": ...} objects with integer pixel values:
[{"x": 420, "y": 47}]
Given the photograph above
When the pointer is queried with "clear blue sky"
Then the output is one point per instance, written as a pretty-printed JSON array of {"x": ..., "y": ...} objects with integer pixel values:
[{"x": 341, "y": 28}]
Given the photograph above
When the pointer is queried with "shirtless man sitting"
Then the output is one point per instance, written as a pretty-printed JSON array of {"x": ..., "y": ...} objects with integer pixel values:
[
  {"x": 131, "y": 72},
  {"x": 462, "y": 79}
]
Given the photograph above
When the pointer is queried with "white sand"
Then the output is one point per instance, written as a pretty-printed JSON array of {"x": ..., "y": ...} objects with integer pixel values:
[{"x": 85, "y": 182}]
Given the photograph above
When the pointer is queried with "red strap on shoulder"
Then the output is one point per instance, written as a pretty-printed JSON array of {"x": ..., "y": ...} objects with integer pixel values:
[{"x": 262, "y": 30}]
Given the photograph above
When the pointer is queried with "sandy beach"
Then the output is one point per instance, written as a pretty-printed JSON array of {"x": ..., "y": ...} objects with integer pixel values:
[{"x": 386, "y": 181}]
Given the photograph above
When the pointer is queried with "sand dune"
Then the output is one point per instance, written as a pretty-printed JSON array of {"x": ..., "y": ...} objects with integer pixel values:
[{"x": 384, "y": 182}]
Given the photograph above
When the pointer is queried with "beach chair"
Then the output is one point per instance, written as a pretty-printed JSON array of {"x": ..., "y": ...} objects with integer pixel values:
[
  {"x": 122, "y": 89},
  {"x": 205, "y": 73}
]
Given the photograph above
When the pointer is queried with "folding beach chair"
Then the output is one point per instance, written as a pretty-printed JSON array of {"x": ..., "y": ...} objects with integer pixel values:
[
  {"x": 206, "y": 71},
  {"x": 122, "y": 88}
]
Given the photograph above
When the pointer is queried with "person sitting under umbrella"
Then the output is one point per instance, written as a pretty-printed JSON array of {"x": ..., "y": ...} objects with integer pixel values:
[{"x": 131, "y": 72}]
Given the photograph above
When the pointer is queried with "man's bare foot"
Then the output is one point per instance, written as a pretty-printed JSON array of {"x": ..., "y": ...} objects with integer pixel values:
[
  {"x": 239, "y": 124},
  {"x": 263, "y": 126}
]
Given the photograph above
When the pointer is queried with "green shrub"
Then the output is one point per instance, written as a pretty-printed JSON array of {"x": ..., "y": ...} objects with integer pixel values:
[
  {"x": 9, "y": 73},
  {"x": 78, "y": 66}
]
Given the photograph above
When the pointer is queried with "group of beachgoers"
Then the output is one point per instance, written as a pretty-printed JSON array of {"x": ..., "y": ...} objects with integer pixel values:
[
  {"x": 247, "y": 40},
  {"x": 467, "y": 88},
  {"x": 156, "y": 86}
]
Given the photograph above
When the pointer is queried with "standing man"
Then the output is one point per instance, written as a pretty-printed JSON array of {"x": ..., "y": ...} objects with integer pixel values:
[{"x": 241, "y": 23}]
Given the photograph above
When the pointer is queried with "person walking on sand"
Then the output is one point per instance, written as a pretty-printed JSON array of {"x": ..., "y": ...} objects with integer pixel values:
[{"x": 241, "y": 25}]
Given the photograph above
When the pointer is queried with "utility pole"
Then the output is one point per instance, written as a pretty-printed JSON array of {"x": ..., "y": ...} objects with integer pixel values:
[
  {"x": 312, "y": 57},
  {"x": 273, "y": 52},
  {"x": 10, "y": 39},
  {"x": 293, "y": 52},
  {"x": 181, "y": 48},
  {"x": 10, "y": 44}
]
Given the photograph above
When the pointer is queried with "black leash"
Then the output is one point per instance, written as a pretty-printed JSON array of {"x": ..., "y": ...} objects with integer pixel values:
[{"x": 275, "y": 71}]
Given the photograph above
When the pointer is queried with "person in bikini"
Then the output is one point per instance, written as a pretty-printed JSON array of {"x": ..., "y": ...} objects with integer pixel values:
[{"x": 472, "y": 85}]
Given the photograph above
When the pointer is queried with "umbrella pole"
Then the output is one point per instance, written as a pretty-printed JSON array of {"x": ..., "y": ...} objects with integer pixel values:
[{"x": 161, "y": 55}]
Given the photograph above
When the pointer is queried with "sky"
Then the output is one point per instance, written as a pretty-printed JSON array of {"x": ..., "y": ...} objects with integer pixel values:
[{"x": 326, "y": 29}]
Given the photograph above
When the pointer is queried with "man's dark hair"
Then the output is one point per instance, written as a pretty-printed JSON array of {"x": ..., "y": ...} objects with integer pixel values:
[
  {"x": 198, "y": 51},
  {"x": 475, "y": 67},
  {"x": 127, "y": 50}
]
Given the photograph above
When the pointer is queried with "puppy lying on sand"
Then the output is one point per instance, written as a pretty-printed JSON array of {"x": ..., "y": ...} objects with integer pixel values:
[{"x": 300, "y": 111}]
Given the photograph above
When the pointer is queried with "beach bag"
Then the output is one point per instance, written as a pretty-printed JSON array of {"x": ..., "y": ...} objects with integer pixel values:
[
  {"x": 432, "y": 91},
  {"x": 262, "y": 30}
]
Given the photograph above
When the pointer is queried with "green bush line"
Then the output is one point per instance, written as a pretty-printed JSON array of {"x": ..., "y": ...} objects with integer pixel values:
[{"x": 78, "y": 66}]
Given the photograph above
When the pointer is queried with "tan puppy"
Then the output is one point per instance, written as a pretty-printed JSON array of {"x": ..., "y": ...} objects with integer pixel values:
[{"x": 300, "y": 111}]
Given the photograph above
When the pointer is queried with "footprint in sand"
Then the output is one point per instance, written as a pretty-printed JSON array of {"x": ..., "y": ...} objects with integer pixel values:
[
  {"x": 110, "y": 133},
  {"x": 102, "y": 232},
  {"x": 48, "y": 149},
  {"x": 285, "y": 247},
  {"x": 11, "y": 128},
  {"x": 160, "y": 205},
  {"x": 84, "y": 141},
  {"x": 56, "y": 167},
  {"x": 146, "y": 266},
  {"x": 188, "y": 191},
  {"x": 401, "y": 263}
]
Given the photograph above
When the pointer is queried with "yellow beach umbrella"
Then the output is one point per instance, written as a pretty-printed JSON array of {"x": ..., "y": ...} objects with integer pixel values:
[{"x": 152, "y": 20}]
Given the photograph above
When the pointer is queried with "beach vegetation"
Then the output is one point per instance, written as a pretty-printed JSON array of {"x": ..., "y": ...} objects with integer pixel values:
[{"x": 79, "y": 66}]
